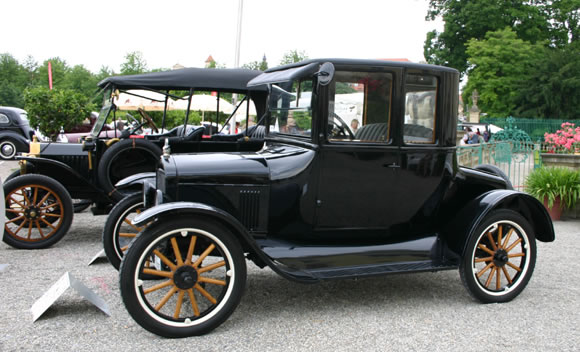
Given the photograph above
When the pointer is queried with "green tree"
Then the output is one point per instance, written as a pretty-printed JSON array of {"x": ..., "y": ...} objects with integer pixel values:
[
  {"x": 51, "y": 109},
  {"x": 552, "y": 87},
  {"x": 81, "y": 80},
  {"x": 472, "y": 19},
  {"x": 134, "y": 64},
  {"x": 13, "y": 80},
  {"x": 293, "y": 56},
  {"x": 498, "y": 63},
  {"x": 59, "y": 73},
  {"x": 257, "y": 65}
]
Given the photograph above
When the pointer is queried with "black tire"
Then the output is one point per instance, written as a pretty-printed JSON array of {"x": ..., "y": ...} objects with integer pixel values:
[
  {"x": 195, "y": 316},
  {"x": 118, "y": 232},
  {"x": 12, "y": 175},
  {"x": 123, "y": 159},
  {"x": 494, "y": 249},
  {"x": 492, "y": 169},
  {"x": 36, "y": 223},
  {"x": 7, "y": 149}
]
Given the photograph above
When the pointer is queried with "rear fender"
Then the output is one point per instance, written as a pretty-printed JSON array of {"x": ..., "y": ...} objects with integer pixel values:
[{"x": 470, "y": 216}]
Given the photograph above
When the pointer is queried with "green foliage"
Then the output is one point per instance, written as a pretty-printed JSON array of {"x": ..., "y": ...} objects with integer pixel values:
[
  {"x": 51, "y": 109},
  {"x": 551, "y": 183},
  {"x": 551, "y": 87},
  {"x": 59, "y": 73},
  {"x": 13, "y": 80},
  {"x": 540, "y": 21},
  {"x": 256, "y": 65},
  {"x": 303, "y": 119},
  {"x": 293, "y": 56},
  {"x": 499, "y": 64},
  {"x": 134, "y": 64}
]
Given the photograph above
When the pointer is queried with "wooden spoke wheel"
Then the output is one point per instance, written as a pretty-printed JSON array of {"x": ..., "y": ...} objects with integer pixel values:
[
  {"x": 118, "y": 231},
  {"x": 39, "y": 212},
  {"x": 500, "y": 258},
  {"x": 200, "y": 270}
]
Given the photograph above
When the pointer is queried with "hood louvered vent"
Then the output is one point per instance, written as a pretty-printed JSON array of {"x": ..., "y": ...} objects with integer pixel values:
[{"x": 250, "y": 208}]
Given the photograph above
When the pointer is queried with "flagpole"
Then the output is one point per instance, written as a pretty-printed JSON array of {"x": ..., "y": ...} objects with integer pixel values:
[{"x": 237, "y": 58}]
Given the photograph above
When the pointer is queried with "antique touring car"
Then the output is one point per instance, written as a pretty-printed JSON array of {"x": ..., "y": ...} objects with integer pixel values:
[
  {"x": 38, "y": 203},
  {"x": 327, "y": 198}
]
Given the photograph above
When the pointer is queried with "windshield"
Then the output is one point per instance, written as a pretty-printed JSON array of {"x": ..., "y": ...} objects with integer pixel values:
[
  {"x": 103, "y": 114},
  {"x": 290, "y": 108},
  {"x": 24, "y": 118}
]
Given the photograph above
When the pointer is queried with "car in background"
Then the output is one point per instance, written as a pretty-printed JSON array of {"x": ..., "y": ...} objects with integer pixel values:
[
  {"x": 15, "y": 132},
  {"x": 39, "y": 198}
]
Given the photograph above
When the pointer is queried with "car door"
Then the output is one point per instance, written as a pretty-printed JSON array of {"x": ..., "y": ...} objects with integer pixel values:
[
  {"x": 360, "y": 159},
  {"x": 386, "y": 177}
]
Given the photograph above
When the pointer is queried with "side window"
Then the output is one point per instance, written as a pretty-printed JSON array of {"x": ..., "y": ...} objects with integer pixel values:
[
  {"x": 420, "y": 109},
  {"x": 290, "y": 108},
  {"x": 360, "y": 107},
  {"x": 4, "y": 119}
]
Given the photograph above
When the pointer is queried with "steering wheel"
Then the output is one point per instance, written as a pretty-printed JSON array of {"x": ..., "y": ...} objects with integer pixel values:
[
  {"x": 148, "y": 119},
  {"x": 340, "y": 129},
  {"x": 134, "y": 126}
]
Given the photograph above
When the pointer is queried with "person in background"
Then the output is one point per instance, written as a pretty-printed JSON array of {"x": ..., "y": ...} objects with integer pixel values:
[{"x": 354, "y": 125}]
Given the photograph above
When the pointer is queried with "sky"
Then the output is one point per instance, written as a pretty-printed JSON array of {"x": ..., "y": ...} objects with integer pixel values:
[{"x": 101, "y": 33}]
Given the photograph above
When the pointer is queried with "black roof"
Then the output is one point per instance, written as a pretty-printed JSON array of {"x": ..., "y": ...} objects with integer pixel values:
[
  {"x": 367, "y": 62},
  {"x": 8, "y": 109},
  {"x": 231, "y": 80}
]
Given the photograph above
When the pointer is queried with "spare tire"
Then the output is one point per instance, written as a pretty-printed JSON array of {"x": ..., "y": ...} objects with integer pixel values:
[
  {"x": 125, "y": 158},
  {"x": 492, "y": 169}
]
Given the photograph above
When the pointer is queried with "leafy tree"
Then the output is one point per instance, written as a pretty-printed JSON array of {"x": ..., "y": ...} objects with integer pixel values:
[
  {"x": 134, "y": 64},
  {"x": 293, "y": 56},
  {"x": 499, "y": 63},
  {"x": 565, "y": 24},
  {"x": 257, "y": 65},
  {"x": 59, "y": 73},
  {"x": 81, "y": 80},
  {"x": 472, "y": 19},
  {"x": 51, "y": 109},
  {"x": 552, "y": 87},
  {"x": 13, "y": 80}
]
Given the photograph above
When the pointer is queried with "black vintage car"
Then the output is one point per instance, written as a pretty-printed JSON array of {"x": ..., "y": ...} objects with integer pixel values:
[
  {"x": 322, "y": 200},
  {"x": 15, "y": 132},
  {"x": 38, "y": 203}
]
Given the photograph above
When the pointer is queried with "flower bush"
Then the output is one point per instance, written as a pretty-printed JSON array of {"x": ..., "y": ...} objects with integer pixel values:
[{"x": 565, "y": 140}]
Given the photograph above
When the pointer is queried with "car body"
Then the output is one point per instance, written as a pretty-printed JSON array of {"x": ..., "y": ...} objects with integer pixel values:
[
  {"x": 320, "y": 201},
  {"x": 15, "y": 132},
  {"x": 89, "y": 170}
]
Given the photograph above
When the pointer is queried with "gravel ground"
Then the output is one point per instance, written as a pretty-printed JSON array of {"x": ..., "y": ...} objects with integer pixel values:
[{"x": 410, "y": 312}]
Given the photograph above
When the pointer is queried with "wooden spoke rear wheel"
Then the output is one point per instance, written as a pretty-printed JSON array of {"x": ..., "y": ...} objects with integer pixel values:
[
  {"x": 39, "y": 211},
  {"x": 500, "y": 258},
  {"x": 201, "y": 274},
  {"x": 118, "y": 231}
]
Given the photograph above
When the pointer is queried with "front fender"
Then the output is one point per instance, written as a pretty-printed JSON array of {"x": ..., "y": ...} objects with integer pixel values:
[
  {"x": 20, "y": 141},
  {"x": 137, "y": 179},
  {"x": 73, "y": 181},
  {"x": 470, "y": 216},
  {"x": 192, "y": 209}
]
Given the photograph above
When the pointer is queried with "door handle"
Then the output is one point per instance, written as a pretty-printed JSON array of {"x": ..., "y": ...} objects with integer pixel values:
[{"x": 393, "y": 166}]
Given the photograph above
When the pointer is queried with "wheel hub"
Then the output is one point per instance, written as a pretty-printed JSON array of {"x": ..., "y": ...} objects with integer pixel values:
[
  {"x": 500, "y": 258},
  {"x": 185, "y": 277},
  {"x": 32, "y": 213},
  {"x": 7, "y": 149}
]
